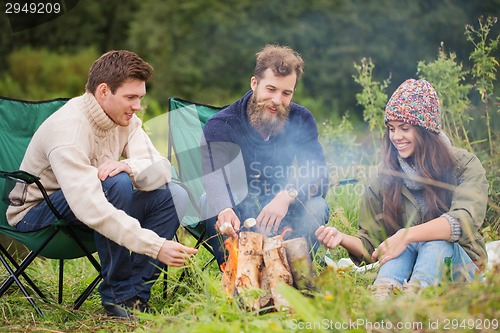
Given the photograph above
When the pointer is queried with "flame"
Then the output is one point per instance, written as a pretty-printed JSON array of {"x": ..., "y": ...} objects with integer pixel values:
[
  {"x": 229, "y": 267},
  {"x": 231, "y": 245},
  {"x": 287, "y": 229}
]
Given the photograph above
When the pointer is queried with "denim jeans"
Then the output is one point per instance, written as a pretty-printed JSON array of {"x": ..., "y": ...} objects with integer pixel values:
[
  {"x": 303, "y": 219},
  {"x": 125, "y": 274},
  {"x": 424, "y": 263}
]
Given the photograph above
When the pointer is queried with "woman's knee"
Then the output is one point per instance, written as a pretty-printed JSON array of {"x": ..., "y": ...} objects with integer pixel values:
[{"x": 438, "y": 247}]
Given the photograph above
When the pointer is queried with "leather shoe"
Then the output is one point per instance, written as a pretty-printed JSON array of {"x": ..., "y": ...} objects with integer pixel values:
[
  {"x": 124, "y": 309},
  {"x": 117, "y": 311}
]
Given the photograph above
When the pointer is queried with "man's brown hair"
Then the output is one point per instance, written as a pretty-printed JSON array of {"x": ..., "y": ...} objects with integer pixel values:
[
  {"x": 115, "y": 67},
  {"x": 282, "y": 60}
]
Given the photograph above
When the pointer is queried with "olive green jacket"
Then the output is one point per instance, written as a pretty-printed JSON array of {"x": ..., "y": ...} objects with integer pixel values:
[{"x": 468, "y": 206}]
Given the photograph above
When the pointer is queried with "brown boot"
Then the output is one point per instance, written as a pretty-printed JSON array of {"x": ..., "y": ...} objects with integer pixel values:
[
  {"x": 383, "y": 290},
  {"x": 412, "y": 289}
]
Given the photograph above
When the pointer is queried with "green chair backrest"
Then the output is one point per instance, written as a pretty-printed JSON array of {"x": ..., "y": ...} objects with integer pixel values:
[
  {"x": 18, "y": 122},
  {"x": 186, "y": 121}
]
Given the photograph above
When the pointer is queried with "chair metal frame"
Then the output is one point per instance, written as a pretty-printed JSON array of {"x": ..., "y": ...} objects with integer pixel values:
[
  {"x": 16, "y": 270},
  {"x": 43, "y": 242}
]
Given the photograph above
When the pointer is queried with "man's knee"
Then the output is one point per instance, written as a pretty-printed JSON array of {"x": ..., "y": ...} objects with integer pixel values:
[
  {"x": 119, "y": 185},
  {"x": 180, "y": 198},
  {"x": 120, "y": 181}
]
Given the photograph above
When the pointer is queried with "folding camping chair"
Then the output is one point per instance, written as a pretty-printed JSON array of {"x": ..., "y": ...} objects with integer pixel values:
[
  {"x": 185, "y": 127},
  {"x": 60, "y": 240}
]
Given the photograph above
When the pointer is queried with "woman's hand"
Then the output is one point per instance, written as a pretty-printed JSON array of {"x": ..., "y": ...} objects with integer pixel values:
[
  {"x": 392, "y": 247},
  {"x": 329, "y": 236}
]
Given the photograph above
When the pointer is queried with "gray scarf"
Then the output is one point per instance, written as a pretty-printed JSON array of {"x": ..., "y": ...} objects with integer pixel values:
[{"x": 410, "y": 175}]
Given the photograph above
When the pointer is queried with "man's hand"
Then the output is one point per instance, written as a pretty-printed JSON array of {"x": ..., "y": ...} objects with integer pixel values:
[
  {"x": 111, "y": 168},
  {"x": 175, "y": 254},
  {"x": 329, "y": 236},
  {"x": 227, "y": 223},
  {"x": 270, "y": 216},
  {"x": 392, "y": 247}
]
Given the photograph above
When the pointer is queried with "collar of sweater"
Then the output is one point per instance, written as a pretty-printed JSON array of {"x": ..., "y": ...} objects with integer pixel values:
[{"x": 99, "y": 120}]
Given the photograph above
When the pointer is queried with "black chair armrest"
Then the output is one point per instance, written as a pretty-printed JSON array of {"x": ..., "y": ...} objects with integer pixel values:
[
  {"x": 21, "y": 176},
  {"x": 27, "y": 177}
]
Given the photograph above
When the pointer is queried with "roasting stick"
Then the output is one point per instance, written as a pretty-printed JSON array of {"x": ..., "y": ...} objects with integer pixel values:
[{"x": 341, "y": 182}]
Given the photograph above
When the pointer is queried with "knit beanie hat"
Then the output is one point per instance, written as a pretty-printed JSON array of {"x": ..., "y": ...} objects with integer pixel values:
[{"x": 415, "y": 102}]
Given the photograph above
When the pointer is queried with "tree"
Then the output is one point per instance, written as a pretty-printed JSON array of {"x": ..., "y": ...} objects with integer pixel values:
[{"x": 205, "y": 50}]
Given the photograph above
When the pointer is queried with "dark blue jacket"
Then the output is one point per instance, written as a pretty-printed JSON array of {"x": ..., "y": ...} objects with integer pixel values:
[{"x": 240, "y": 162}]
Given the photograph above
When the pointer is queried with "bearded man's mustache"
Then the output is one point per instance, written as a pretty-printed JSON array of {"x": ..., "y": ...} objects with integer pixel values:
[{"x": 266, "y": 122}]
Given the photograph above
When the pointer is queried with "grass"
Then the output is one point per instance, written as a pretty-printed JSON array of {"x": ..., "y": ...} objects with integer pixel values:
[{"x": 341, "y": 301}]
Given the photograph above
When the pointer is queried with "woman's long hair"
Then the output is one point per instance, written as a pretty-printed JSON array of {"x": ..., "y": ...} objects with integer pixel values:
[{"x": 433, "y": 163}]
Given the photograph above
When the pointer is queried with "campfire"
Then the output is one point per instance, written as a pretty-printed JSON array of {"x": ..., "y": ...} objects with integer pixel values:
[{"x": 257, "y": 265}]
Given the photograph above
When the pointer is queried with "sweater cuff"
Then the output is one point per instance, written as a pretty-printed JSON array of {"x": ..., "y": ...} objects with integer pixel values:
[{"x": 456, "y": 229}]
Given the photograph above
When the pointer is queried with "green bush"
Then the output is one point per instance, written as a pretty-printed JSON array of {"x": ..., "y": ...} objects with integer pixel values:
[{"x": 40, "y": 74}]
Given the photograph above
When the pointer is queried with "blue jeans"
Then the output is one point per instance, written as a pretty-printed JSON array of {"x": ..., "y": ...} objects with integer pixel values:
[
  {"x": 125, "y": 274},
  {"x": 303, "y": 219},
  {"x": 424, "y": 263}
]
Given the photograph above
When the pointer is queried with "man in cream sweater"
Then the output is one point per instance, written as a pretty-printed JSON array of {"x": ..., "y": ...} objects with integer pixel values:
[{"x": 103, "y": 172}]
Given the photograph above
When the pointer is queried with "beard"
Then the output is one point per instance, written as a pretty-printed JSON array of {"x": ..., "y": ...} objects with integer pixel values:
[{"x": 265, "y": 122}]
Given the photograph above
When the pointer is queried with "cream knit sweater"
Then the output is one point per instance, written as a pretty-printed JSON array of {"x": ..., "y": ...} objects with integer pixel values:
[{"x": 65, "y": 152}]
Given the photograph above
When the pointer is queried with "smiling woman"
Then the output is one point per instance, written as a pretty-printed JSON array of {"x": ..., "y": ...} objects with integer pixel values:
[
  {"x": 424, "y": 206},
  {"x": 402, "y": 136}
]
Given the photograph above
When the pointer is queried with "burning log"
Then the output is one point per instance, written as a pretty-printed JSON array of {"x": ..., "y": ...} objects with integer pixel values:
[
  {"x": 263, "y": 263},
  {"x": 300, "y": 263},
  {"x": 277, "y": 269},
  {"x": 266, "y": 300},
  {"x": 250, "y": 261}
]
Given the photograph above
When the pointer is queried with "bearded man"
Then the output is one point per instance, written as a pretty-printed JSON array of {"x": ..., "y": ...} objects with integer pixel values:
[{"x": 282, "y": 178}]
